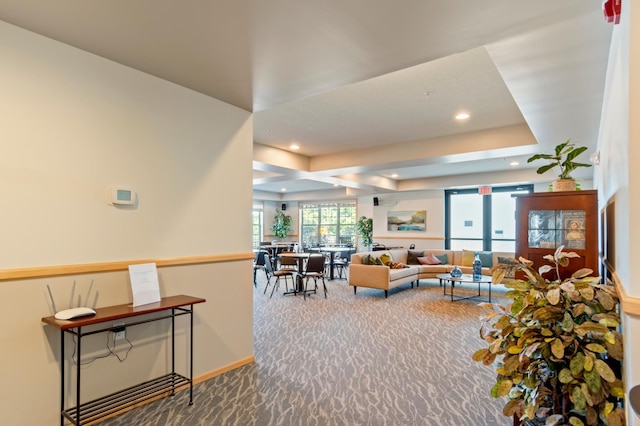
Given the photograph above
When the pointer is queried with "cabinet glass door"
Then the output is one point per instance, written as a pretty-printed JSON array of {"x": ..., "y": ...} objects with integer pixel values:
[{"x": 553, "y": 228}]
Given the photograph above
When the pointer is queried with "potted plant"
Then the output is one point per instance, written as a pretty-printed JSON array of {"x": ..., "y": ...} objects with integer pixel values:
[
  {"x": 556, "y": 347},
  {"x": 281, "y": 224},
  {"x": 563, "y": 158},
  {"x": 365, "y": 230}
]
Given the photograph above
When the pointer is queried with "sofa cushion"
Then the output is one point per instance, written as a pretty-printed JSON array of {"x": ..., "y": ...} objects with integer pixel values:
[
  {"x": 396, "y": 274},
  {"x": 427, "y": 271},
  {"x": 467, "y": 257},
  {"x": 444, "y": 259},
  {"x": 430, "y": 259},
  {"x": 486, "y": 257},
  {"x": 413, "y": 255}
]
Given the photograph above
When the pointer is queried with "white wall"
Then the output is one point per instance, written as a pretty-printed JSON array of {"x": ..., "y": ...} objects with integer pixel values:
[
  {"x": 72, "y": 124},
  {"x": 618, "y": 178}
]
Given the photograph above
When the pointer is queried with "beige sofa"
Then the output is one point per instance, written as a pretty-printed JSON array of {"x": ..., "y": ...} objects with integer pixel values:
[{"x": 385, "y": 278}]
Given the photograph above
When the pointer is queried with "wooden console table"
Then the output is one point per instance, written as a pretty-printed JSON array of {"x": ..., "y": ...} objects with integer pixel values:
[{"x": 94, "y": 410}]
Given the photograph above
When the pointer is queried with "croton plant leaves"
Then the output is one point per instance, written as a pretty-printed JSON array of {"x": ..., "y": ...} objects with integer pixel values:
[{"x": 563, "y": 326}]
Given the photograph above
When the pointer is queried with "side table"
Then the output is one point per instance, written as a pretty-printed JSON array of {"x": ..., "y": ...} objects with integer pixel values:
[{"x": 108, "y": 405}]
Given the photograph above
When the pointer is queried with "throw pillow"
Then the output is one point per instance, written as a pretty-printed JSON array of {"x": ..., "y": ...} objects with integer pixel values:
[
  {"x": 413, "y": 255},
  {"x": 378, "y": 261},
  {"x": 467, "y": 257},
  {"x": 506, "y": 260},
  {"x": 486, "y": 257},
  {"x": 369, "y": 260},
  {"x": 511, "y": 272},
  {"x": 444, "y": 259},
  {"x": 429, "y": 260},
  {"x": 386, "y": 258}
]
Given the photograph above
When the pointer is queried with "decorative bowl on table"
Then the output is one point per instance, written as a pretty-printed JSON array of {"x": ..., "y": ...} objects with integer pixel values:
[{"x": 455, "y": 272}]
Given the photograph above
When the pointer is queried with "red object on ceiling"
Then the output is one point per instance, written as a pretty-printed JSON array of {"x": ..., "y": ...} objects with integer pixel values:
[{"x": 611, "y": 9}]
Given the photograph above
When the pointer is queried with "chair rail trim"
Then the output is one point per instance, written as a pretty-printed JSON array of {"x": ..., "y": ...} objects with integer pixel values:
[{"x": 121, "y": 265}]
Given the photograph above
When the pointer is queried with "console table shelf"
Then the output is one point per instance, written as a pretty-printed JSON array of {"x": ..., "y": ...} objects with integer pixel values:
[
  {"x": 134, "y": 395},
  {"x": 102, "y": 321}
]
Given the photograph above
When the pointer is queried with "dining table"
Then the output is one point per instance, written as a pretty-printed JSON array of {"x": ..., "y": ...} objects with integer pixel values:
[
  {"x": 274, "y": 250},
  {"x": 331, "y": 251},
  {"x": 300, "y": 257}
]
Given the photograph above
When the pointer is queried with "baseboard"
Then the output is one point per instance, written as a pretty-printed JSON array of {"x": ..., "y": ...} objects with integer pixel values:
[{"x": 215, "y": 373}]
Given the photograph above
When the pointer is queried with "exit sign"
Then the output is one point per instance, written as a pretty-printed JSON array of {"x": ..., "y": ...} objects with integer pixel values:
[{"x": 484, "y": 190}]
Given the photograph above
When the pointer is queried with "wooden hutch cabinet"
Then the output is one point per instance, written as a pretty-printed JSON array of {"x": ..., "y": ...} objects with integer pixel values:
[{"x": 547, "y": 220}]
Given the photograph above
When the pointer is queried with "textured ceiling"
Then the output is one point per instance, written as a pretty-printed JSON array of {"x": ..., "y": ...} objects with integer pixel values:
[{"x": 366, "y": 88}]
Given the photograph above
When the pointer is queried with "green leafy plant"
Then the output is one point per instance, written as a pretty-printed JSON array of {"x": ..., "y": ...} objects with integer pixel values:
[
  {"x": 565, "y": 154},
  {"x": 365, "y": 230},
  {"x": 281, "y": 224},
  {"x": 555, "y": 345}
]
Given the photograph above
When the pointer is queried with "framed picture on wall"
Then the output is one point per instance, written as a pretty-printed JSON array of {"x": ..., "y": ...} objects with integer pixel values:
[{"x": 407, "y": 221}]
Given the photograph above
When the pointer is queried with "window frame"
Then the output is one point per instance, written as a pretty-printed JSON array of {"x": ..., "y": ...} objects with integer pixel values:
[
  {"x": 486, "y": 239},
  {"x": 337, "y": 222}
]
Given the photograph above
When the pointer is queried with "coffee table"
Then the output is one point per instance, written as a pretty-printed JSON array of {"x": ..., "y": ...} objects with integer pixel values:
[{"x": 465, "y": 278}]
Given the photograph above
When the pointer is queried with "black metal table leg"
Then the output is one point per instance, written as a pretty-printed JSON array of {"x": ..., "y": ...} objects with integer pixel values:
[
  {"x": 173, "y": 346},
  {"x": 79, "y": 347},
  {"x": 61, "y": 377},
  {"x": 191, "y": 357}
]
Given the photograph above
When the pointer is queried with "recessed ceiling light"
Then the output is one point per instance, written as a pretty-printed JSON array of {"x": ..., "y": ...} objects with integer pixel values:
[
  {"x": 336, "y": 184},
  {"x": 294, "y": 146},
  {"x": 462, "y": 116},
  {"x": 395, "y": 175},
  {"x": 283, "y": 189},
  {"x": 514, "y": 163}
]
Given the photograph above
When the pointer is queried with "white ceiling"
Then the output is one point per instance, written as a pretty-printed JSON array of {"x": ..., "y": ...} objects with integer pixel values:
[{"x": 367, "y": 88}]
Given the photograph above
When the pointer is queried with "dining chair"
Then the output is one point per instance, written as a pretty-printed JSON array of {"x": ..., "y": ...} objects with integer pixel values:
[
  {"x": 286, "y": 273},
  {"x": 287, "y": 262},
  {"x": 259, "y": 265},
  {"x": 341, "y": 262},
  {"x": 315, "y": 270}
]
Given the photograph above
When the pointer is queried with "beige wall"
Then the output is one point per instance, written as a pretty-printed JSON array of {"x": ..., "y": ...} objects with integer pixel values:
[
  {"x": 72, "y": 124},
  {"x": 618, "y": 177},
  {"x": 431, "y": 201}
]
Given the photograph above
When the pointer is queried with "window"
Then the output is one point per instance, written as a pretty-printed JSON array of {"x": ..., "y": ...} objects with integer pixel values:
[
  {"x": 328, "y": 223},
  {"x": 257, "y": 226},
  {"x": 482, "y": 222}
]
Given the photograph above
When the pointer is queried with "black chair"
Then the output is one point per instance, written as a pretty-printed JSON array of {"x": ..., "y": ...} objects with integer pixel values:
[
  {"x": 286, "y": 273},
  {"x": 341, "y": 262},
  {"x": 315, "y": 270},
  {"x": 259, "y": 265}
]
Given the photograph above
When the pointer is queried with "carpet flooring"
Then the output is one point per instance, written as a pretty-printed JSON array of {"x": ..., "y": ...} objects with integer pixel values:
[{"x": 348, "y": 360}]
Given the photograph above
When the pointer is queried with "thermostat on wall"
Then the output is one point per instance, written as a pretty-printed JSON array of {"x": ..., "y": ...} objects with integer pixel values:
[{"x": 119, "y": 195}]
